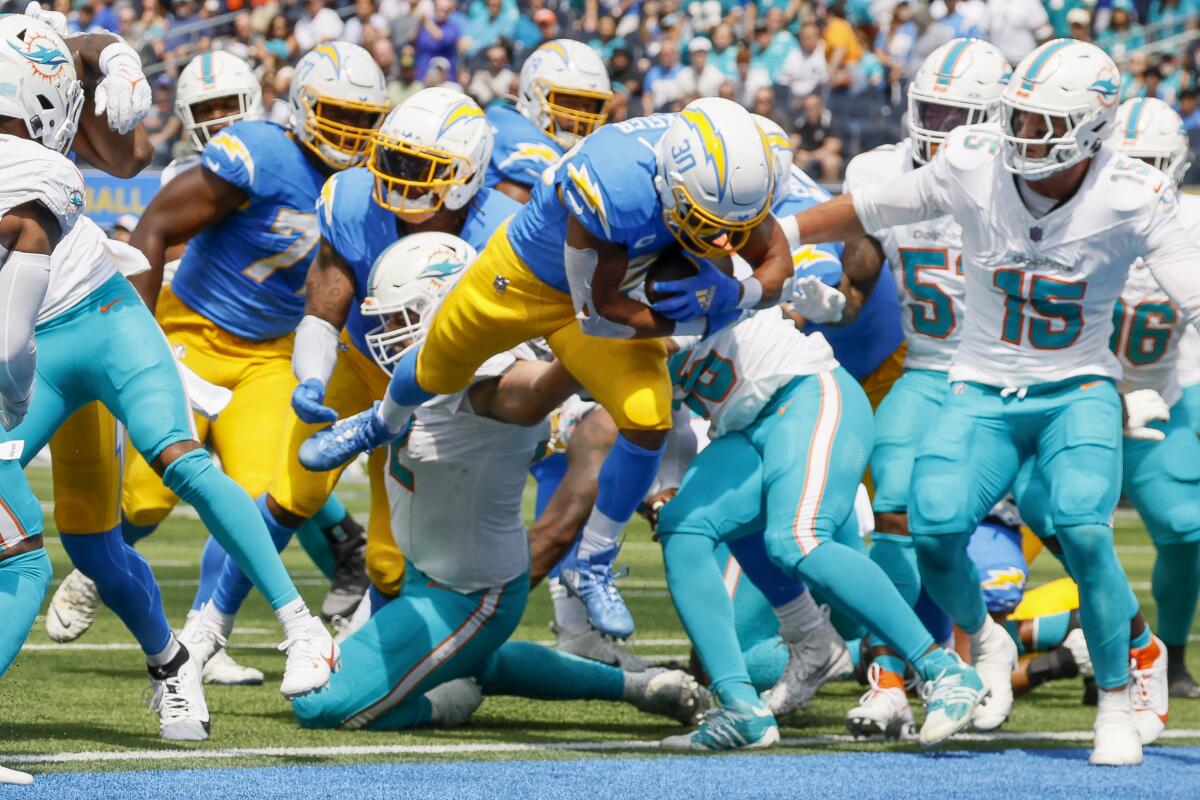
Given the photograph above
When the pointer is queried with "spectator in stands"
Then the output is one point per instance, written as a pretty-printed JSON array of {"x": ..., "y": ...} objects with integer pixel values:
[
  {"x": 624, "y": 70},
  {"x": 317, "y": 24},
  {"x": 1189, "y": 110},
  {"x": 764, "y": 104},
  {"x": 407, "y": 84},
  {"x": 1058, "y": 12},
  {"x": 162, "y": 126},
  {"x": 103, "y": 16},
  {"x": 281, "y": 41},
  {"x": 547, "y": 25},
  {"x": 818, "y": 149},
  {"x": 439, "y": 73},
  {"x": 150, "y": 27},
  {"x": 497, "y": 79},
  {"x": 843, "y": 51},
  {"x": 243, "y": 41},
  {"x": 804, "y": 71},
  {"x": 1151, "y": 81},
  {"x": 962, "y": 25},
  {"x": 700, "y": 78},
  {"x": 366, "y": 25},
  {"x": 705, "y": 14},
  {"x": 773, "y": 44},
  {"x": 606, "y": 39},
  {"x": 181, "y": 45},
  {"x": 125, "y": 223},
  {"x": 725, "y": 50},
  {"x": 1171, "y": 17},
  {"x": 1017, "y": 27},
  {"x": 1079, "y": 24},
  {"x": 662, "y": 86},
  {"x": 490, "y": 21},
  {"x": 749, "y": 79},
  {"x": 618, "y": 107},
  {"x": 1131, "y": 75},
  {"x": 127, "y": 19},
  {"x": 437, "y": 38},
  {"x": 1122, "y": 35},
  {"x": 526, "y": 34},
  {"x": 894, "y": 43}
]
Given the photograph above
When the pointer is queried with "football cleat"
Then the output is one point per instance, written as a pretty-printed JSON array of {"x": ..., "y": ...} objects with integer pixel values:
[
  {"x": 73, "y": 608},
  {"x": 592, "y": 581},
  {"x": 1148, "y": 691},
  {"x": 950, "y": 701},
  {"x": 590, "y": 644},
  {"x": 312, "y": 657},
  {"x": 15, "y": 777},
  {"x": 453, "y": 702},
  {"x": 883, "y": 710},
  {"x": 222, "y": 670},
  {"x": 350, "y": 581},
  {"x": 179, "y": 701},
  {"x": 1180, "y": 682},
  {"x": 812, "y": 662},
  {"x": 668, "y": 692},
  {"x": 994, "y": 656},
  {"x": 331, "y": 447},
  {"x": 1117, "y": 742},
  {"x": 1079, "y": 651},
  {"x": 737, "y": 726},
  {"x": 201, "y": 640}
]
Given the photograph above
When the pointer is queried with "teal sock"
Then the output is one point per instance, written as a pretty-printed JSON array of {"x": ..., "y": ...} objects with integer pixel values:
[
  {"x": 897, "y": 556},
  {"x": 1103, "y": 599},
  {"x": 891, "y": 663},
  {"x": 526, "y": 669},
  {"x": 1013, "y": 628},
  {"x": 765, "y": 662},
  {"x": 932, "y": 664},
  {"x": 950, "y": 577},
  {"x": 1141, "y": 640},
  {"x": 698, "y": 590},
  {"x": 24, "y": 581},
  {"x": 1175, "y": 584},
  {"x": 1049, "y": 631},
  {"x": 858, "y": 586},
  {"x": 234, "y": 521},
  {"x": 316, "y": 545}
]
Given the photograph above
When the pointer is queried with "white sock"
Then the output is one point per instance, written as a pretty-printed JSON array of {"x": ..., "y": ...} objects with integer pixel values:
[
  {"x": 570, "y": 614},
  {"x": 294, "y": 617},
  {"x": 599, "y": 534},
  {"x": 798, "y": 617},
  {"x": 1117, "y": 702},
  {"x": 216, "y": 620},
  {"x": 167, "y": 655}
]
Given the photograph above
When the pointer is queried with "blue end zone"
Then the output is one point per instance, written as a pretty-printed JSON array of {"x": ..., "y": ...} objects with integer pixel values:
[{"x": 1041, "y": 774}]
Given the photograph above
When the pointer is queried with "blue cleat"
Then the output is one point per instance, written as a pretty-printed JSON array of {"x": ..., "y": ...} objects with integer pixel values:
[
  {"x": 592, "y": 581},
  {"x": 734, "y": 726},
  {"x": 331, "y": 447}
]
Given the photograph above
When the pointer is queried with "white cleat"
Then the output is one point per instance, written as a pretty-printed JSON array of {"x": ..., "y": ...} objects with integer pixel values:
[
  {"x": 817, "y": 659},
  {"x": 1148, "y": 694},
  {"x": 1117, "y": 743},
  {"x": 202, "y": 641},
  {"x": 994, "y": 656},
  {"x": 593, "y": 645},
  {"x": 179, "y": 701},
  {"x": 453, "y": 702},
  {"x": 882, "y": 711},
  {"x": 346, "y": 628},
  {"x": 73, "y": 608},
  {"x": 222, "y": 670},
  {"x": 15, "y": 777},
  {"x": 1077, "y": 645},
  {"x": 312, "y": 657},
  {"x": 667, "y": 692}
]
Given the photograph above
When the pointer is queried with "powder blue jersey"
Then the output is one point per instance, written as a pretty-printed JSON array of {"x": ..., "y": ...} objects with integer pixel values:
[
  {"x": 360, "y": 229},
  {"x": 521, "y": 150},
  {"x": 607, "y": 184},
  {"x": 247, "y": 272}
]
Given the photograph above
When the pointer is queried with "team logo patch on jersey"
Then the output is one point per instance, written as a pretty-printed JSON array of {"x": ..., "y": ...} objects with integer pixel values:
[
  {"x": 588, "y": 191},
  {"x": 43, "y": 55},
  {"x": 234, "y": 148},
  {"x": 1035, "y": 233}
]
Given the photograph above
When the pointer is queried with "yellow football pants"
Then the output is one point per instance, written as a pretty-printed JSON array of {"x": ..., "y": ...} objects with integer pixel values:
[
  {"x": 85, "y": 465},
  {"x": 499, "y": 303},
  {"x": 356, "y": 383},
  {"x": 880, "y": 381},
  {"x": 246, "y": 435}
]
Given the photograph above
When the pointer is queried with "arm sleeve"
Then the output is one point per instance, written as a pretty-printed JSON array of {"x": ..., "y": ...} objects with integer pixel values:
[
  {"x": 1172, "y": 256},
  {"x": 314, "y": 354},
  {"x": 914, "y": 196},
  {"x": 24, "y": 278}
]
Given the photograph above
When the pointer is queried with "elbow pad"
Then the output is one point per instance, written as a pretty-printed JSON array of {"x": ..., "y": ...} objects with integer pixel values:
[{"x": 315, "y": 352}]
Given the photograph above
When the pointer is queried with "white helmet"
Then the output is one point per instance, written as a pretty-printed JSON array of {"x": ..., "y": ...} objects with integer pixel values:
[
  {"x": 781, "y": 148},
  {"x": 958, "y": 84},
  {"x": 37, "y": 81},
  {"x": 716, "y": 176},
  {"x": 212, "y": 76},
  {"x": 1146, "y": 128},
  {"x": 404, "y": 288},
  {"x": 338, "y": 98},
  {"x": 1066, "y": 81},
  {"x": 565, "y": 90},
  {"x": 432, "y": 150}
]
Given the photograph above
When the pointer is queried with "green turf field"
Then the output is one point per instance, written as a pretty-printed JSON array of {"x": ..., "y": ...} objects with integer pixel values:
[{"x": 89, "y": 698}]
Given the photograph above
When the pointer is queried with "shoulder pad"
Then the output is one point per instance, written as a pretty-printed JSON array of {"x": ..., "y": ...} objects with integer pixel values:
[
  {"x": 1130, "y": 184},
  {"x": 972, "y": 146},
  {"x": 874, "y": 167},
  {"x": 39, "y": 174},
  {"x": 1189, "y": 210},
  {"x": 341, "y": 210},
  {"x": 247, "y": 152}
]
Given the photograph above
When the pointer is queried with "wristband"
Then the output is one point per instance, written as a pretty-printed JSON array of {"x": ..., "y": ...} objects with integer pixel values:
[
  {"x": 791, "y": 231},
  {"x": 752, "y": 293},
  {"x": 116, "y": 50},
  {"x": 693, "y": 327}
]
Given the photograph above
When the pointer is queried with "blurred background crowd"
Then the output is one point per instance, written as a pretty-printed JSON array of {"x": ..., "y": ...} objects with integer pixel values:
[{"x": 832, "y": 74}]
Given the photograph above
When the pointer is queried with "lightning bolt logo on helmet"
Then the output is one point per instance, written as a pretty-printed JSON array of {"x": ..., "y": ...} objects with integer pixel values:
[{"x": 714, "y": 146}]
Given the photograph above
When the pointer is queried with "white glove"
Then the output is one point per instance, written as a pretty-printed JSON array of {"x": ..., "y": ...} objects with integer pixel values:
[
  {"x": 124, "y": 93},
  {"x": 54, "y": 19},
  {"x": 816, "y": 301},
  {"x": 1141, "y": 408},
  {"x": 13, "y": 411}
]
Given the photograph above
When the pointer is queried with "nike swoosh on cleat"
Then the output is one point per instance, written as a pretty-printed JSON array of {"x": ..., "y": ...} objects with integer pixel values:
[
  {"x": 105, "y": 308},
  {"x": 331, "y": 658}
]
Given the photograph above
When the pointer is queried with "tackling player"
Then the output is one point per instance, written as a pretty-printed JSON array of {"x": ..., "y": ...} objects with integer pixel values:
[{"x": 1046, "y": 255}]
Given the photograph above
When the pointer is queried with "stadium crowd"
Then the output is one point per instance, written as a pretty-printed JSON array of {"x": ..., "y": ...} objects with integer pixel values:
[{"x": 831, "y": 74}]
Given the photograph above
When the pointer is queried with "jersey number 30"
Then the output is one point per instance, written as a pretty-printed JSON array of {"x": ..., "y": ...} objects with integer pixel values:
[
  {"x": 1055, "y": 318},
  {"x": 288, "y": 224}
]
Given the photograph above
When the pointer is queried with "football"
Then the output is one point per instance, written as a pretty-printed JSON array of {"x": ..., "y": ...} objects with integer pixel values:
[{"x": 673, "y": 264}]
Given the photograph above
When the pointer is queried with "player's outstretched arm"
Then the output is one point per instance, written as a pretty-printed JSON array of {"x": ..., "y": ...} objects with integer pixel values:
[
  {"x": 329, "y": 292},
  {"x": 524, "y": 395},
  {"x": 862, "y": 261},
  {"x": 193, "y": 201},
  {"x": 111, "y": 137},
  {"x": 767, "y": 250},
  {"x": 1172, "y": 254}
]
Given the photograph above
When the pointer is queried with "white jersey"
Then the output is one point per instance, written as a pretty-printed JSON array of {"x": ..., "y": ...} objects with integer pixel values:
[
  {"x": 1189, "y": 357},
  {"x": 732, "y": 376},
  {"x": 78, "y": 266},
  {"x": 177, "y": 166},
  {"x": 926, "y": 260},
  {"x": 30, "y": 173},
  {"x": 455, "y": 486},
  {"x": 1041, "y": 289},
  {"x": 1147, "y": 327}
]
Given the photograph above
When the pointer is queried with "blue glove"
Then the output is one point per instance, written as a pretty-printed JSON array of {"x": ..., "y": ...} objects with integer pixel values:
[
  {"x": 708, "y": 292},
  {"x": 308, "y": 401}
]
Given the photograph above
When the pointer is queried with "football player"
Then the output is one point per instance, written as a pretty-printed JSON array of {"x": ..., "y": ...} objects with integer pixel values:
[
  {"x": 1046, "y": 254},
  {"x": 455, "y": 484},
  {"x": 702, "y": 178},
  {"x": 564, "y": 95}
]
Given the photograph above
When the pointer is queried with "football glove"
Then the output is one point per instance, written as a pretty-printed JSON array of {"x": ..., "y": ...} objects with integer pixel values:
[
  {"x": 124, "y": 93},
  {"x": 1141, "y": 408},
  {"x": 55, "y": 19},
  {"x": 308, "y": 401},
  {"x": 818, "y": 302},
  {"x": 710, "y": 291}
]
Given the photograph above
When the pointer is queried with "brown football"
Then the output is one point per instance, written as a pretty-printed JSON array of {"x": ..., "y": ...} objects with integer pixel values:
[{"x": 671, "y": 265}]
